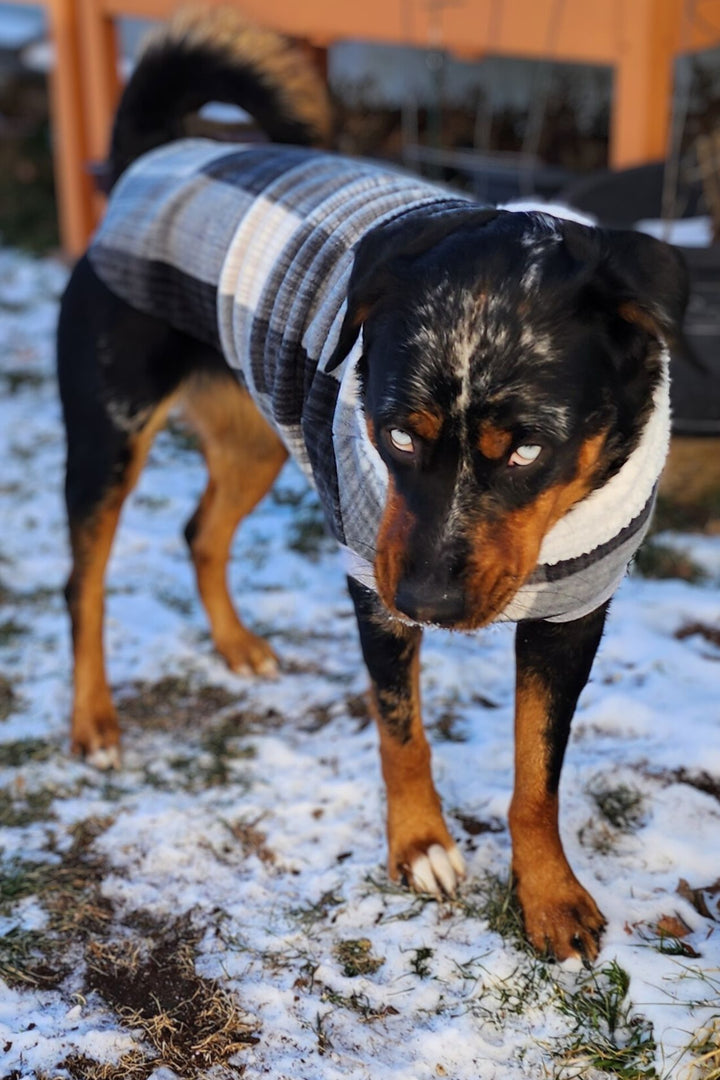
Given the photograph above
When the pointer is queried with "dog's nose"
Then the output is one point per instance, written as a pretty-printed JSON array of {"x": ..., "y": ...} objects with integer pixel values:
[{"x": 426, "y": 602}]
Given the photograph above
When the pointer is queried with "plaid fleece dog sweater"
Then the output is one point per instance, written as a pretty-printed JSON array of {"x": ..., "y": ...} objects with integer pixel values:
[{"x": 250, "y": 249}]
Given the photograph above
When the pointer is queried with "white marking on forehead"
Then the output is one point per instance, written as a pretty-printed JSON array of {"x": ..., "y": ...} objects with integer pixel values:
[
  {"x": 466, "y": 337},
  {"x": 531, "y": 275},
  {"x": 538, "y": 343},
  {"x": 543, "y": 230},
  {"x": 458, "y": 341},
  {"x": 556, "y": 415}
]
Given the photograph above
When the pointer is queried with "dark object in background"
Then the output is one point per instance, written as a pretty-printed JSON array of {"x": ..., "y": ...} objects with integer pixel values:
[
  {"x": 695, "y": 391},
  {"x": 28, "y": 215},
  {"x": 619, "y": 200}
]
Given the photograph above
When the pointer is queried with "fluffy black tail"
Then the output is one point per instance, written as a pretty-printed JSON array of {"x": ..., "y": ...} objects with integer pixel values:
[{"x": 216, "y": 55}]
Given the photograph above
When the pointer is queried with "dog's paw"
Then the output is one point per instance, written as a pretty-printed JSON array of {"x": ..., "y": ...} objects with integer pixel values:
[
  {"x": 564, "y": 924},
  {"x": 436, "y": 870},
  {"x": 104, "y": 758},
  {"x": 97, "y": 740},
  {"x": 439, "y": 872},
  {"x": 250, "y": 655}
]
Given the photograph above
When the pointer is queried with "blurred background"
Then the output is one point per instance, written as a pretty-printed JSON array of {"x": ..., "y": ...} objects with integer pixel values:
[{"x": 609, "y": 107}]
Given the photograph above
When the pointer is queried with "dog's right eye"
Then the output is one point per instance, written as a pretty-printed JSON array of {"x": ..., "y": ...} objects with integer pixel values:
[{"x": 400, "y": 443}]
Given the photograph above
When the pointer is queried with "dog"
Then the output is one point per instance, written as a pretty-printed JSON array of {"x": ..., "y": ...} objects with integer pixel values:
[{"x": 479, "y": 396}]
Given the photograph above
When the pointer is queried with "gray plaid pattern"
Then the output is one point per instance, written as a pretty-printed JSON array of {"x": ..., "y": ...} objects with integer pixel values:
[{"x": 250, "y": 248}]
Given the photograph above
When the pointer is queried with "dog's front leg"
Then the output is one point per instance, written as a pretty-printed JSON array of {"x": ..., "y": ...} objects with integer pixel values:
[
  {"x": 553, "y": 665},
  {"x": 420, "y": 848}
]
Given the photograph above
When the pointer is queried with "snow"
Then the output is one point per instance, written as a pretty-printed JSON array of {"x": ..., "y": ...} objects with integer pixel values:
[{"x": 301, "y": 772}]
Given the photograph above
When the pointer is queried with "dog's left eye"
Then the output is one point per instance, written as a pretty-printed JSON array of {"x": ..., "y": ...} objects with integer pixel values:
[{"x": 525, "y": 455}]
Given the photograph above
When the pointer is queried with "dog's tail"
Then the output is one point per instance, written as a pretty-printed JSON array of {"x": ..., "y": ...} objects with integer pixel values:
[{"x": 216, "y": 55}]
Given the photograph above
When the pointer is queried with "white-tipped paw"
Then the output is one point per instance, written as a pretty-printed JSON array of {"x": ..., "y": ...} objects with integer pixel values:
[
  {"x": 251, "y": 656},
  {"x": 266, "y": 668},
  {"x": 438, "y": 872},
  {"x": 104, "y": 758}
]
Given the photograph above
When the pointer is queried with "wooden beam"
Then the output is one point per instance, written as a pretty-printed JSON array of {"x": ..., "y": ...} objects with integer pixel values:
[
  {"x": 642, "y": 100},
  {"x": 73, "y": 184}
]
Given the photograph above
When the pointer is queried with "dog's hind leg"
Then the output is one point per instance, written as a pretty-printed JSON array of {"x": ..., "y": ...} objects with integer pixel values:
[
  {"x": 95, "y": 732},
  {"x": 244, "y": 456},
  {"x": 118, "y": 372}
]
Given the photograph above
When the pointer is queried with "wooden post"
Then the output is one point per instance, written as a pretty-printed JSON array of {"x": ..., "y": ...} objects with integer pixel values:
[
  {"x": 72, "y": 179},
  {"x": 100, "y": 56},
  {"x": 642, "y": 99}
]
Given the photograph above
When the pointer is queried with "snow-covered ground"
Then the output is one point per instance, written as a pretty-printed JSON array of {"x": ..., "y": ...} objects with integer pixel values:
[{"x": 246, "y": 824}]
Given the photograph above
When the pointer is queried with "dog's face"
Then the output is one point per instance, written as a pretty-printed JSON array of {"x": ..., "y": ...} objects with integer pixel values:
[{"x": 508, "y": 366}]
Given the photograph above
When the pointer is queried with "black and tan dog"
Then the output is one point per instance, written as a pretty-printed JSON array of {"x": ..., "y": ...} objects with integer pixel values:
[{"x": 479, "y": 396}]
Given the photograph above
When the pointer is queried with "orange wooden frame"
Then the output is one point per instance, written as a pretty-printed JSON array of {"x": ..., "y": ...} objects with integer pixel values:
[{"x": 638, "y": 38}]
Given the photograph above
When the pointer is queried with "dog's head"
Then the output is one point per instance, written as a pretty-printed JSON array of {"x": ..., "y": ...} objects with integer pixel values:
[{"x": 509, "y": 361}]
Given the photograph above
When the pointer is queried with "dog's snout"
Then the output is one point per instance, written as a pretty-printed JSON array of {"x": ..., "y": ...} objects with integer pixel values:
[{"x": 442, "y": 604}]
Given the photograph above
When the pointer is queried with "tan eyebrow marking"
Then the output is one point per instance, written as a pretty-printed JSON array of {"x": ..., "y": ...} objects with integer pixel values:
[
  {"x": 427, "y": 425},
  {"x": 494, "y": 442}
]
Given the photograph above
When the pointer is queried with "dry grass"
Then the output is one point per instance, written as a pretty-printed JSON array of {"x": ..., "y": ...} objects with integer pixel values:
[{"x": 190, "y": 1022}]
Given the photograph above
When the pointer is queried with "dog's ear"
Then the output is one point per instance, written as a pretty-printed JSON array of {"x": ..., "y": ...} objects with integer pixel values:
[
  {"x": 383, "y": 258},
  {"x": 635, "y": 273}
]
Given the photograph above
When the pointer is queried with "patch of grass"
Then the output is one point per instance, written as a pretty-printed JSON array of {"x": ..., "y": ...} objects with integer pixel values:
[
  {"x": 10, "y": 631},
  {"x": 219, "y": 748},
  {"x": 183, "y": 605},
  {"x": 667, "y": 937},
  {"x": 178, "y": 703},
  {"x": 704, "y": 1051},
  {"x": 415, "y": 906},
  {"x": 656, "y": 560},
  {"x": 358, "y": 1003},
  {"x": 494, "y": 998},
  {"x": 9, "y": 700},
  {"x": 251, "y": 840},
  {"x": 620, "y": 811},
  {"x": 475, "y": 827},
  {"x": 449, "y": 727},
  {"x": 710, "y": 634},
  {"x": 621, "y": 805},
  {"x": 68, "y": 887},
  {"x": 23, "y": 960},
  {"x": 493, "y": 899},
  {"x": 135, "y": 1065},
  {"x": 313, "y": 913},
  {"x": 419, "y": 962},
  {"x": 703, "y": 781},
  {"x": 192, "y": 1024},
  {"x": 21, "y": 879},
  {"x": 151, "y": 502},
  {"x": 69, "y": 891},
  {"x": 18, "y": 809},
  {"x": 355, "y": 956},
  {"x": 15, "y": 381},
  {"x": 172, "y": 702},
  {"x": 21, "y": 751},
  {"x": 606, "y": 1034}
]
